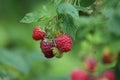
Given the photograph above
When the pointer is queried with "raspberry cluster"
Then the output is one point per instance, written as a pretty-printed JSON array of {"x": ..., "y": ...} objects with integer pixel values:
[
  {"x": 80, "y": 74},
  {"x": 55, "y": 47},
  {"x": 87, "y": 73}
]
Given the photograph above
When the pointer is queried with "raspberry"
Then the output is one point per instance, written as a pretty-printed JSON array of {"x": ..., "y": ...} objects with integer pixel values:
[
  {"x": 64, "y": 43},
  {"x": 57, "y": 53},
  {"x": 108, "y": 75},
  {"x": 107, "y": 59},
  {"x": 46, "y": 48},
  {"x": 90, "y": 64},
  {"x": 78, "y": 74},
  {"x": 38, "y": 34}
]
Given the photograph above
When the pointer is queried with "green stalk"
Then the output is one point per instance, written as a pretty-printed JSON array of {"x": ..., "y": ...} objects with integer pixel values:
[
  {"x": 75, "y": 2},
  {"x": 78, "y": 2}
]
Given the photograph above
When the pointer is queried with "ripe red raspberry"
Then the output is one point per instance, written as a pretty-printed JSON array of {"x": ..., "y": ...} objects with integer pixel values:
[
  {"x": 64, "y": 43},
  {"x": 90, "y": 64},
  {"x": 46, "y": 48},
  {"x": 38, "y": 34},
  {"x": 108, "y": 75},
  {"x": 78, "y": 74}
]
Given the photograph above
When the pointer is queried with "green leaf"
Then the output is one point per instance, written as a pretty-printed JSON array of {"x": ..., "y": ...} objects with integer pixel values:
[
  {"x": 68, "y": 25},
  {"x": 57, "y": 2},
  {"x": 33, "y": 17},
  {"x": 44, "y": 13},
  {"x": 67, "y": 8},
  {"x": 86, "y": 3},
  {"x": 14, "y": 60},
  {"x": 21, "y": 61},
  {"x": 68, "y": 18}
]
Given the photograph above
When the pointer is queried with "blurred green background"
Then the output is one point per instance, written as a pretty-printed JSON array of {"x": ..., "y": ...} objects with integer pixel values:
[{"x": 21, "y": 57}]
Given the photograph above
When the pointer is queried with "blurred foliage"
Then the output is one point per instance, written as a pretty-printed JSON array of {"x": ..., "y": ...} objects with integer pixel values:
[{"x": 97, "y": 25}]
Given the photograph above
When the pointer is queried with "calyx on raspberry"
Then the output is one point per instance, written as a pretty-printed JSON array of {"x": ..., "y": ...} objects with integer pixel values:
[
  {"x": 64, "y": 42},
  {"x": 46, "y": 48},
  {"x": 38, "y": 34}
]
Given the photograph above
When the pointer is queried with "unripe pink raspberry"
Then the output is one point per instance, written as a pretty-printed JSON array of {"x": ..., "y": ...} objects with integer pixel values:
[
  {"x": 90, "y": 64},
  {"x": 78, "y": 74}
]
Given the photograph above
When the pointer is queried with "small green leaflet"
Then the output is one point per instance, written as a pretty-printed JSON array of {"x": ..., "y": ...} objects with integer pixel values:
[
  {"x": 86, "y": 3},
  {"x": 68, "y": 15},
  {"x": 44, "y": 13},
  {"x": 33, "y": 17}
]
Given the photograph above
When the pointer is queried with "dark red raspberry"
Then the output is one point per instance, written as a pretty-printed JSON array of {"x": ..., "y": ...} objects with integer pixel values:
[
  {"x": 108, "y": 75},
  {"x": 108, "y": 57},
  {"x": 78, "y": 74},
  {"x": 90, "y": 64},
  {"x": 38, "y": 34},
  {"x": 46, "y": 48},
  {"x": 64, "y": 43}
]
